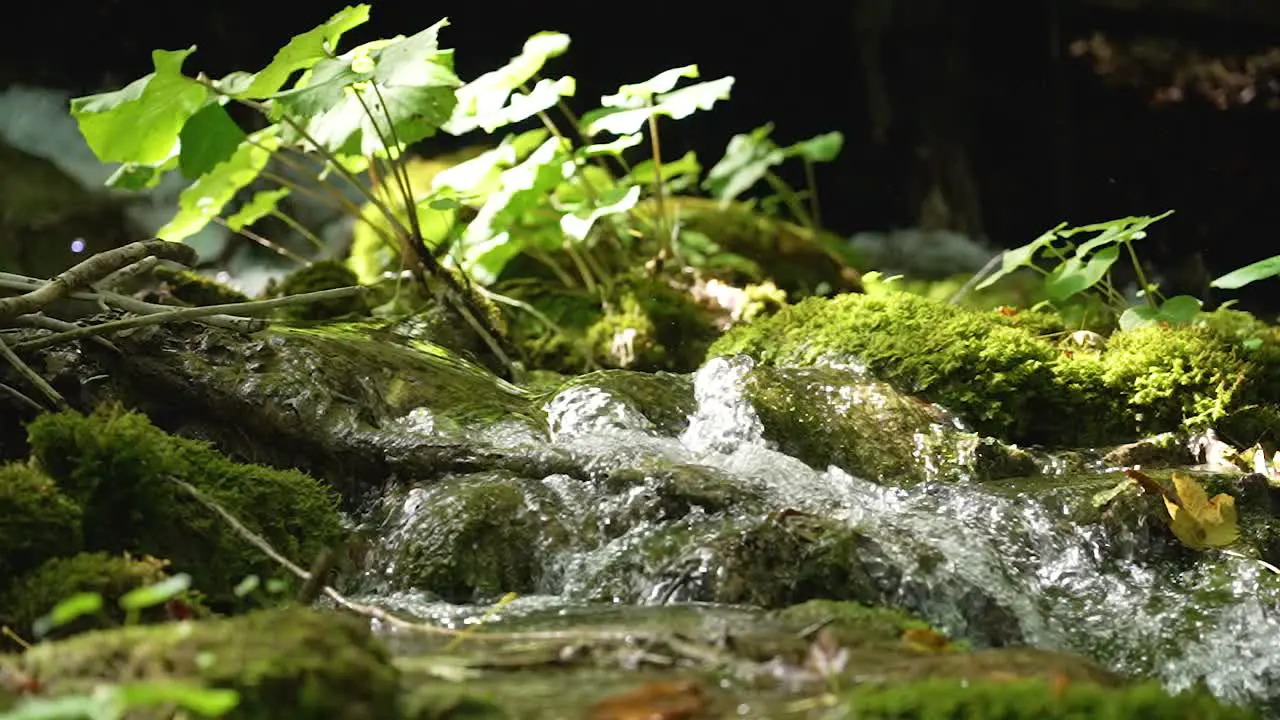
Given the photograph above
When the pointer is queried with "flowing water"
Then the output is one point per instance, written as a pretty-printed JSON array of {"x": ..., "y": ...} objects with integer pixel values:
[{"x": 950, "y": 546}]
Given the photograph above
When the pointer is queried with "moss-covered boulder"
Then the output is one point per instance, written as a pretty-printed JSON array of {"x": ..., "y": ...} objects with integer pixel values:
[
  {"x": 37, "y": 520},
  {"x": 121, "y": 469},
  {"x": 470, "y": 537},
  {"x": 1009, "y": 380},
  {"x": 293, "y": 663}
]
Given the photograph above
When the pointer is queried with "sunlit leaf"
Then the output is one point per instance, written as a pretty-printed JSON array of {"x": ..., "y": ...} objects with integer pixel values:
[
  {"x": 676, "y": 105},
  {"x": 412, "y": 84},
  {"x": 1075, "y": 276},
  {"x": 746, "y": 160},
  {"x": 205, "y": 701},
  {"x": 155, "y": 593},
  {"x": 638, "y": 94},
  {"x": 66, "y": 611},
  {"x": 576, "y": 226},
  {"x": 140, "y": 123},
  {"x": 1240, "y": 277},
  {"x": 821, "y": 148},
  {"x": 262, "y": 203},
  {"x": 676, "y": 174},
  {"x": 301, "y": 52},
  {"x": 483, "y": 102},
  {"x": 1199, "y": 521},
  {"x": 246, "y": 586},
  {"x": 1021, "y": 257},
  {"x": 204, "y": 199}
]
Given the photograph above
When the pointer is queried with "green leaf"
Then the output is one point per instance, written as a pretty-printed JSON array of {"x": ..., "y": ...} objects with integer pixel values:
[
  {"x": 204, "y": 199},
  {"x": 676, "y": 105},
  {"x": 411, "y": 85},
  {"x": 639, "y": 94},
  {"x": 1138, "y": 316},
  {"x": 209, "y": 137},
  {"x": 677, "y": 174},
  {"x": 156, "y": 593},
  {"x": 1180, "y": 309},
  {"x": 141, "y": 122},
  {"x": 78, "y": 605},
  {"x": 746, "y": 160},
  {"x": 1240, "y": 277},
  {"x": 1022, "y": 256},
  {"x": 614, "y": 148},
  {"x": 209, "y": 702},
  {"x": 820, "y": 148},
  {"x": 483, "y": 102},
  {"x": 1076, "y": 275},
  {"x": 136, "y": 176},
  {"x": 577, "y": 225},
  {"x": 246, "y": 586},
  {"x": 302, "y": 52},
  {"x": 67, "y": 707},
  {"x": 262, "y": 203}
]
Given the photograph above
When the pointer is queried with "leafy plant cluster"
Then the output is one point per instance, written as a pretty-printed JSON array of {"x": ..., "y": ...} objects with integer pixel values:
[
  {"x": 1076, "y": 269},
  {"x": 564, "y": 194}
]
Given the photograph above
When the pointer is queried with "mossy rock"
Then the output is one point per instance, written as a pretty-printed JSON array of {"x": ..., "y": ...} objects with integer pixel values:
[
  {"x": 1032, "y": 699},
  {"x": 110, "y": 576},
  {"x": 120, "y": 468},
  {"x": 1008, "y": 381},
  {"x": 37, "y": 520},
  {"x": 322, "y": 275},
  {"x": 290, "y": 663},
  {"x": 474, "y": 537},
  {"x": 193, "y": 288}
]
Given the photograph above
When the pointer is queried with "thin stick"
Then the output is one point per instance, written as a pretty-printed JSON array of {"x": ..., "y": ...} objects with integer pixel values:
[{"x": 32, "y": 376}]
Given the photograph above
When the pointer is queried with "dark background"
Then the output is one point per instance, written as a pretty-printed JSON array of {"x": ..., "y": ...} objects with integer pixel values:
[{"x": 983, "y": 103}]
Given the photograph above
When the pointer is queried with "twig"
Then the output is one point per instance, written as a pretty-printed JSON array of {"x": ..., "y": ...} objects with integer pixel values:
[
  {"x": 191, "y": 313},
  {"x": 44, "y": 322},
  {"x": 118, "y": 278},
  {"x": 92, "y": 270},
  {"x": 20, "y": 397},
  {"x": 32, "y": 376}
]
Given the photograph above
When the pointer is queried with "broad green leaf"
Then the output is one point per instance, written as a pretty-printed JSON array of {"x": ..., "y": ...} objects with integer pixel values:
[
  {"x": 1076, "y": 275},
  {"x": 204, "y": 199},
  {"x": 1022, "y": 256},
  {"x": 67, "y": 707},
  {"x": 821, "y": 148},
  {"x": 156, "y": 593},
  {"x": 577, "y": 225},
  {"x": 78, "y": 605},
  {"x": 614, "y": 148},
  {"x": 140, "y": 123},
  {"x": 412, "y": 84},
  {"x": 639, "y": 94},
  {"x": 481, "y": 102},
  {"x": 676, "y": 174},
  {"x": 676, "y": 105},
  {"x": 1240, "y": 277},
  {"x": 1138, "y": 316},
  {"x": 262, "y": 203},
  {"x": 209, "y": 137},
  {"x": 205, "y": 701},
  {"x": 1180, "y": 309},
  {"x": 479, "y": 175},
  {"x": 301, "y": 52},
  {"x": 246, "y": 586},
  {"x": 746, "y": 160}
]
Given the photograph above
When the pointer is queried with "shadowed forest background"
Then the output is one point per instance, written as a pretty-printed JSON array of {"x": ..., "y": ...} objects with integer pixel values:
[{"x": 997, "y": 124}]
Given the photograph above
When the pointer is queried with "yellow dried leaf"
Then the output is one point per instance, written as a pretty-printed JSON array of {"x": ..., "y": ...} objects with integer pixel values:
[{"x": 1199, "y": 521}]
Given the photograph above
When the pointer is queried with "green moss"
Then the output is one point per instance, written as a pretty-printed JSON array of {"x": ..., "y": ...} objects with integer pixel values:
[
  {"x": 852, "y": 622},
  {"x": 651, "y": 325},
  {"x": 323, "y": 275},
  {"x": 1008, "y": 380},
  {"x": 118, "y": 466},
  {"x": 37, "y": 520},
  {"x": 297, "y": 663},
  {"x": 477, "y": 537},
  {"x": 111, "y": 576},
  {"x": 1033, "y": 699},
  {"x": 196, "y": 289}
]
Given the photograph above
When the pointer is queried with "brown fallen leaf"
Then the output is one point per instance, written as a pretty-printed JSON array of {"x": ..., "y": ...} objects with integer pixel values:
[
  {"x": 1199, "y": 521},
  {"x": 926, "y": 640},
  {"x": 676, "y": 700}
]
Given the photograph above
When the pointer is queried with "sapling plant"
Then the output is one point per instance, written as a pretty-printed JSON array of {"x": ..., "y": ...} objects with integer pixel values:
[
  {"x": 563, "y": 194},
  {"x": 1076, "y": 269}
]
